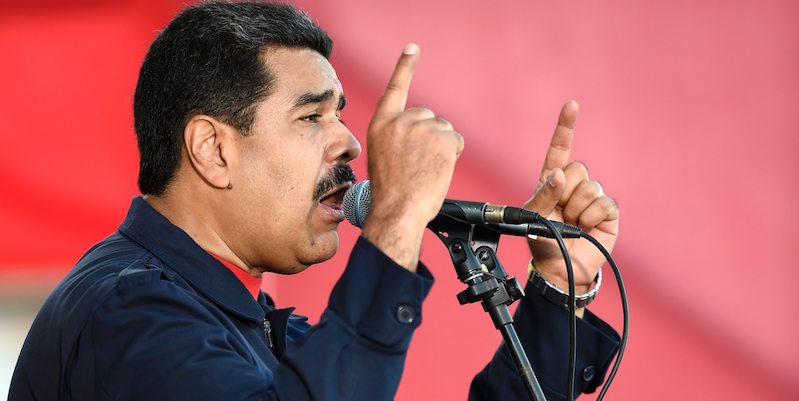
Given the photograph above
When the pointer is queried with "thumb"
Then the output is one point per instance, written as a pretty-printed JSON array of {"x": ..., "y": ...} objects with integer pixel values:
[{"x": 547, "y": 196}]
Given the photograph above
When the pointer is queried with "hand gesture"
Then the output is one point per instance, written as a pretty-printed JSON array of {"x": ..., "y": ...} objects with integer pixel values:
[
  {"x": 412, "y": 156},
  {"x": 565, "y": 193}
]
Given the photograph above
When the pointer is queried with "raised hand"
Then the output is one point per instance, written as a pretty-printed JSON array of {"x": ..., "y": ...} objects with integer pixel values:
[
  {"x": 411, "y": 155},
  {"x": 565, "y": 193}
]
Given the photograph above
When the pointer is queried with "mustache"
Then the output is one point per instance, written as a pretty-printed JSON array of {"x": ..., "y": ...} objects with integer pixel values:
[{"x": 340, "y": 174}]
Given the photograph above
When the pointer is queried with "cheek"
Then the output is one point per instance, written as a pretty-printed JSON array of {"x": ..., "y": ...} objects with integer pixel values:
[
  {"x": 264, "y": 171},
  {"x": 281, "y": 176}
]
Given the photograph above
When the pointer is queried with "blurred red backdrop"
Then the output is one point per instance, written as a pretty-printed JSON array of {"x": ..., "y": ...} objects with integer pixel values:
[{"x": 687, "y": 118}]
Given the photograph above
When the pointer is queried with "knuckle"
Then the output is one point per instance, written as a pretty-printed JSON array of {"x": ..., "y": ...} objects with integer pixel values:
[
  {"x": 420, "y": 112},
  {"x": 569, "y": 216},
  {"x": 585, "y": 222},
  {"x": 443, "y": 122},
  {"x": 459, "y": 142},
  {"x": 437, "y": 124},
  {"x": 393, "y": 86},
  {"x": 586, "y": 191},
  {"x": 591, "y": 189},
  {"x": 611, "y": 206},
  {"x": 577, "y": 168}
]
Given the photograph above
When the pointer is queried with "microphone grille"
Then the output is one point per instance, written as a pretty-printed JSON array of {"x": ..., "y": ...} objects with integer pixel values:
[{"x": 357, "y": 202}]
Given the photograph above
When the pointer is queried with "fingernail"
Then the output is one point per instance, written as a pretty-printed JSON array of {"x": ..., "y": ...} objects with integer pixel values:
[
  {"x": 549, "y": 180},
  {"x": 410, "y": 48}
]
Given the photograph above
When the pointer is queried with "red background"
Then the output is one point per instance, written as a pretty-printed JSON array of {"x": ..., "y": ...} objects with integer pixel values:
[{"x": 688, "y": 118}]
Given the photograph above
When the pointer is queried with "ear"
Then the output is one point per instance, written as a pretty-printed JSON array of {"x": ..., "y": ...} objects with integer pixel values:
[{"x": 208, "y": 145}]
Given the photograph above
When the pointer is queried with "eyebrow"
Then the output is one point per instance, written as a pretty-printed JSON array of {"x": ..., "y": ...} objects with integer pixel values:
[{"x": 310, "y": 98}]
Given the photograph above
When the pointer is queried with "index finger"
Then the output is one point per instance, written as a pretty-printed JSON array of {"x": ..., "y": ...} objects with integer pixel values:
[
  {"x": 396, "y": 94},
  {"x": 561, "y": 144}
]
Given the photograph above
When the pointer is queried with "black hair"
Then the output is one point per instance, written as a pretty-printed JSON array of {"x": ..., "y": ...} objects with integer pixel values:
[{"x": 209, "y": 60}]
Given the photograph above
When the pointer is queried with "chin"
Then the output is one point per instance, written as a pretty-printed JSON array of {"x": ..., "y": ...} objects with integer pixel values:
[{"x": 321, "y": 250}]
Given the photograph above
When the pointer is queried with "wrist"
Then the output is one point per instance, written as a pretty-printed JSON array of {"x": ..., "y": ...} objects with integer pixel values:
[
  {"x": 399, "y": 239},
  {"x": 557, "y": 294}
]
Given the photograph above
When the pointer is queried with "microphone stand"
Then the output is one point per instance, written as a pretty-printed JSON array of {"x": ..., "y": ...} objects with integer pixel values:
[{"x": 473, "y": 252}]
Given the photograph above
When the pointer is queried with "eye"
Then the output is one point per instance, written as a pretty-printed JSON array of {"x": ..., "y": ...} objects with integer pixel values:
[{"x": 312, "y": 117}]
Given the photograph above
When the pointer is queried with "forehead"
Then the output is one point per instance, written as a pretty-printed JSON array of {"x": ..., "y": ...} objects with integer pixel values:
[{"x": 300, "y": 71}]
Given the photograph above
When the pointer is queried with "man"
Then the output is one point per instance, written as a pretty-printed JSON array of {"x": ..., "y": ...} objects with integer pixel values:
[{"x": 243, "y": 167}]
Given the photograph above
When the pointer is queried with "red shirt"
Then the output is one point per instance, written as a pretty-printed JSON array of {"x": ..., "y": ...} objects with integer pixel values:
[{"x": 252, "y": 283}]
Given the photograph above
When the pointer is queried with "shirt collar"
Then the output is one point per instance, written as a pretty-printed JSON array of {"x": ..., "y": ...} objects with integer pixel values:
[
  {"x": 252, "y": 283},
  {"x": 178, "y": 250}
]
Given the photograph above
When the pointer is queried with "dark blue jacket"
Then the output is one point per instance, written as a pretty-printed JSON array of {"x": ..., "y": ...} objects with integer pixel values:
[{"x": 147, "y": 314}]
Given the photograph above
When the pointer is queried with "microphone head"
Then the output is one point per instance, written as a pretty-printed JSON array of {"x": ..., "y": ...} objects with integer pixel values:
[{"x": 357, "y": 202}]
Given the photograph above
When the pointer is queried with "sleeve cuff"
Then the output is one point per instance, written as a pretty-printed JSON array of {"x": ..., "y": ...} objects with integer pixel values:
[
  {"x": 544, "y": 329},
  {"x": 378, "y": 298}
]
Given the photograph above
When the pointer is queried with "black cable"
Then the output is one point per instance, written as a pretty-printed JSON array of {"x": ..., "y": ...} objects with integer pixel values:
[
  {"x": 625, "y": 309},
  {"x": 572, "y": 308}
]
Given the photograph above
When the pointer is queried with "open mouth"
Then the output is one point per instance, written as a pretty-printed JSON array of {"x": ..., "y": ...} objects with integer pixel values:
[{"x": 335, "y": 197}]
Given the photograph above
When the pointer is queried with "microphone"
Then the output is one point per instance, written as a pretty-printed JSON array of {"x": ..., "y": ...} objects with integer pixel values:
[{"x": 506, "y": 219}]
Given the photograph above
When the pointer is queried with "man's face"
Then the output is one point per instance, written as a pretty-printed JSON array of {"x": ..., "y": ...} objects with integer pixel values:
[{"x": 291, "y": 173}]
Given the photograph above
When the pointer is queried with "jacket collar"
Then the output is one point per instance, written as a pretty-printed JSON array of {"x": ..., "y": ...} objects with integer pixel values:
[{"x": 176, "y": 249}]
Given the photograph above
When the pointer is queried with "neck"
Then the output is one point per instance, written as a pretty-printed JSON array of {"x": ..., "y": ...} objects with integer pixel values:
[{"x": 195, "y": 213}]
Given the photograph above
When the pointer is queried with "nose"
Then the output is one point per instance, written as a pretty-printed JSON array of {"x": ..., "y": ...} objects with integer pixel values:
[{"x": 344, "y": 147}]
